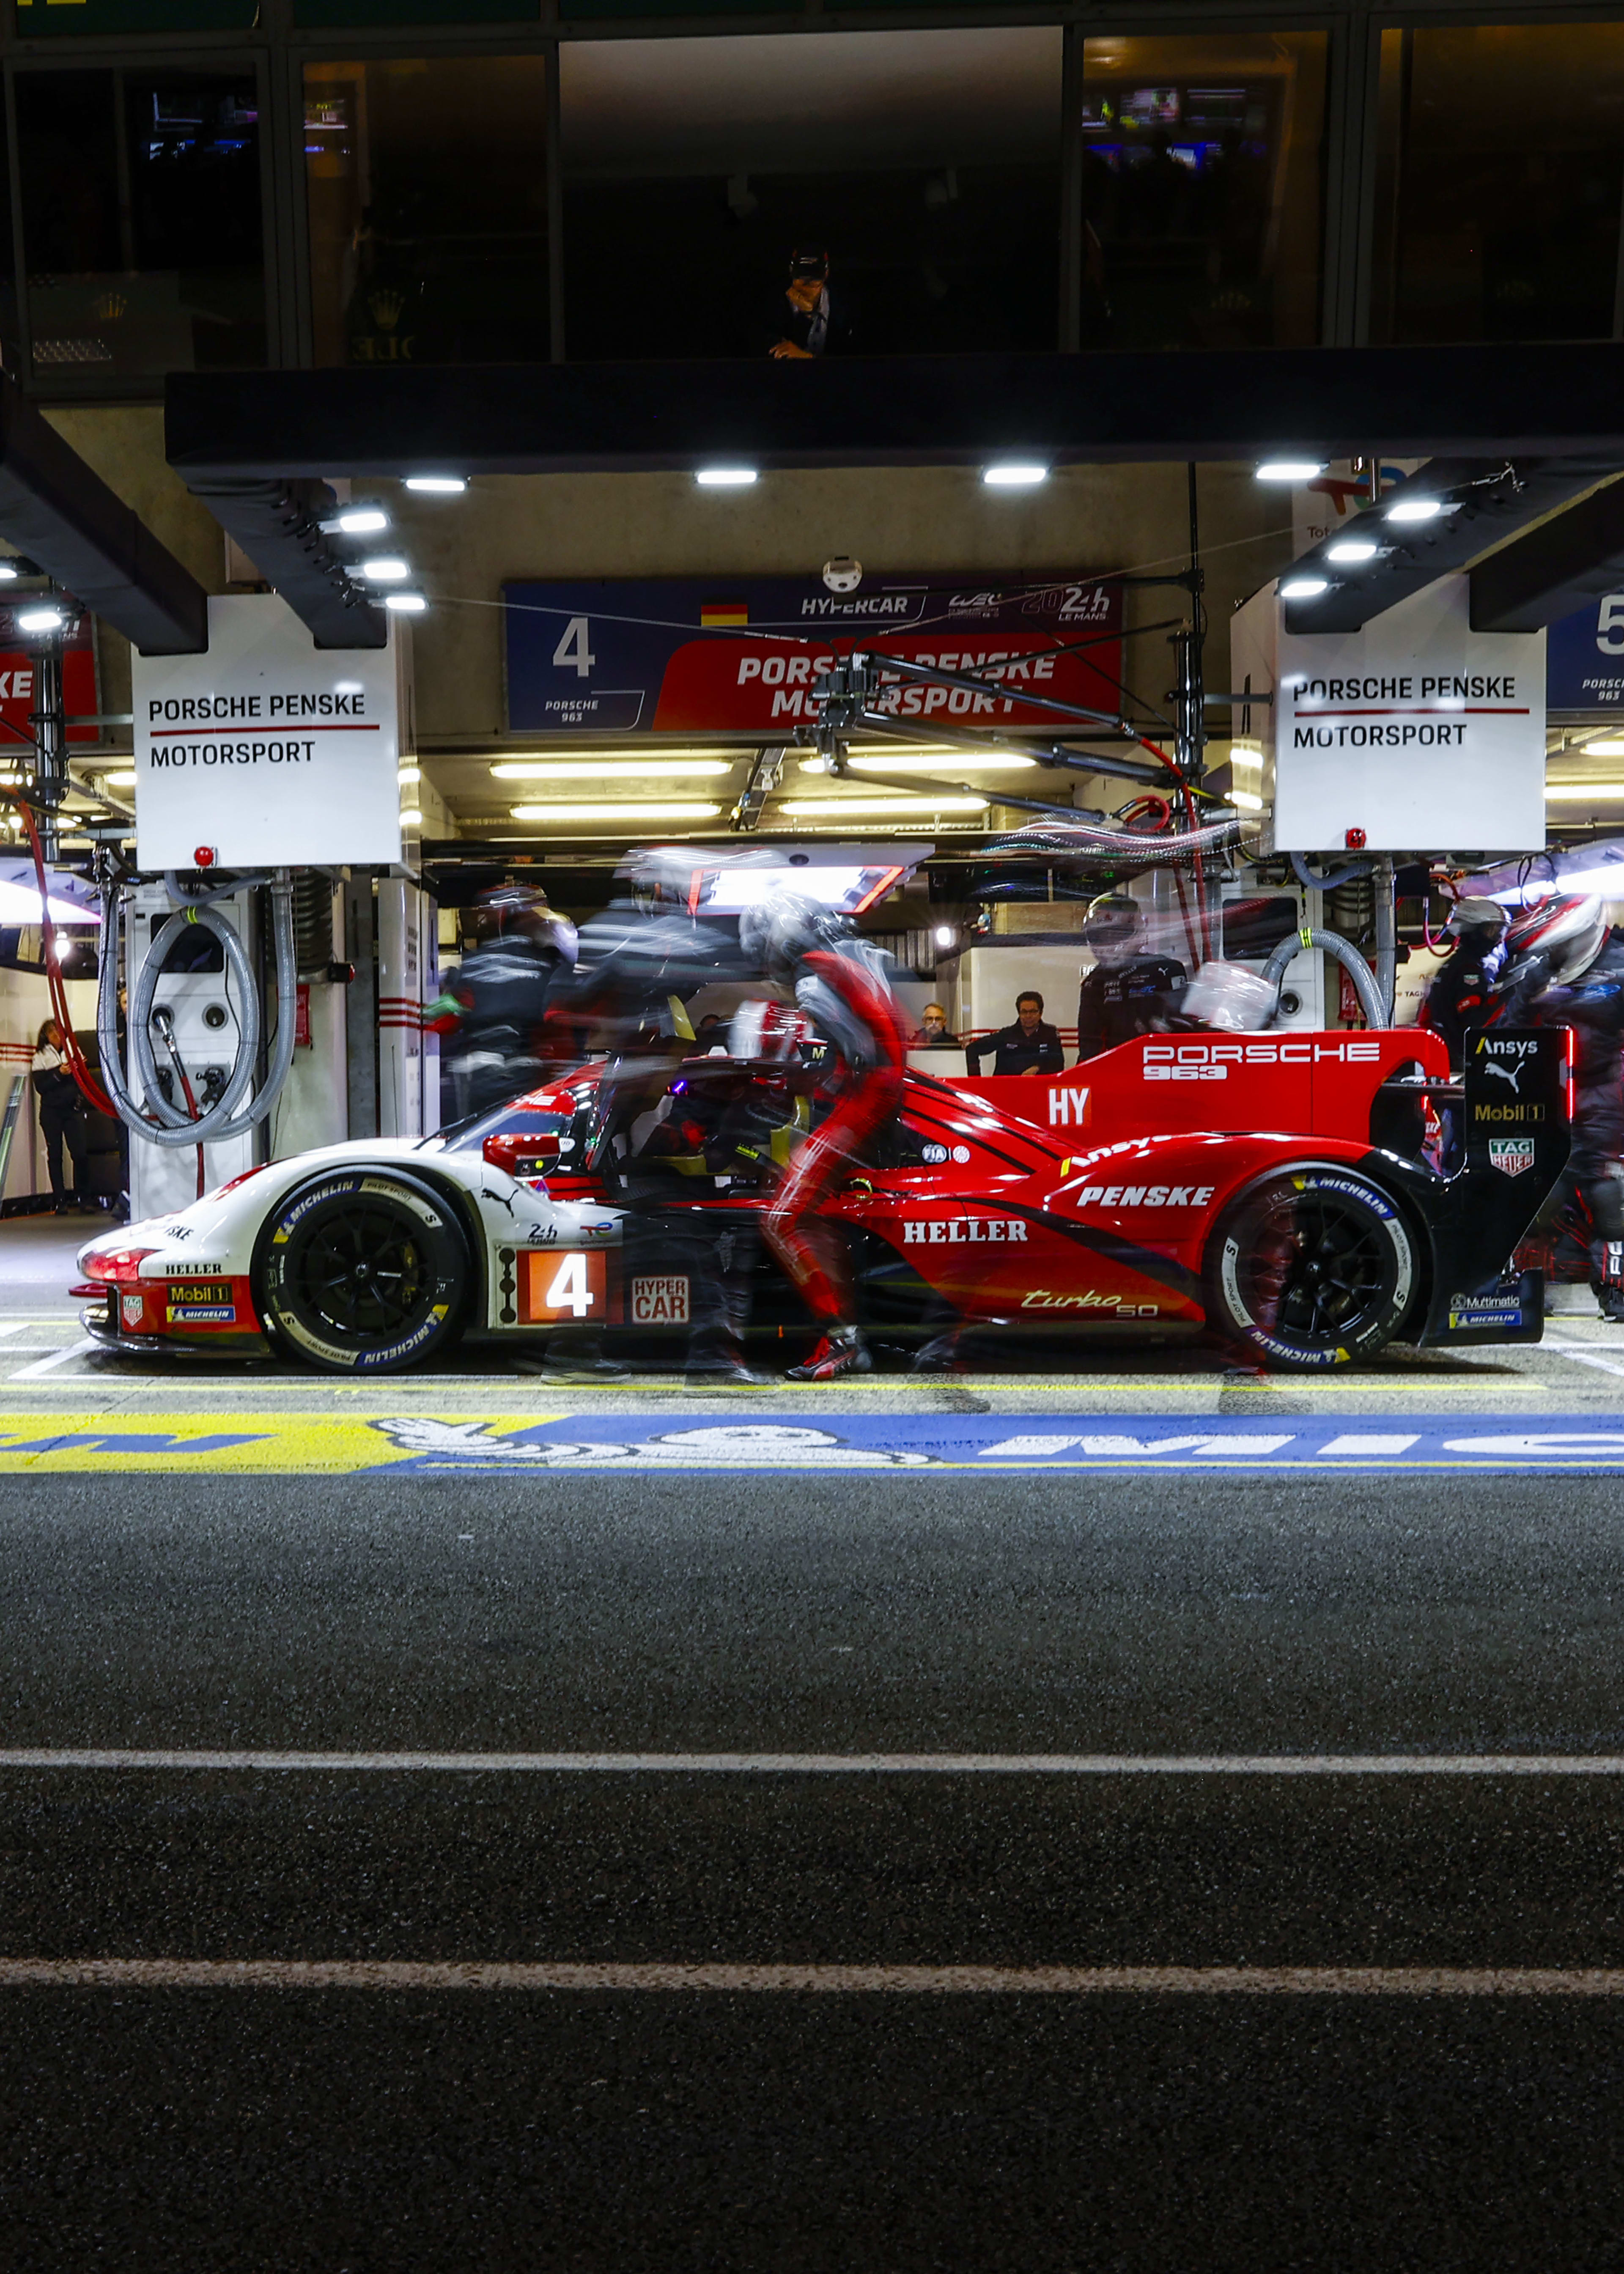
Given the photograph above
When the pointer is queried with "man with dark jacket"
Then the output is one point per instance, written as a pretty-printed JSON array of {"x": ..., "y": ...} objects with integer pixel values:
[{"x": 1027, "y": 1047}]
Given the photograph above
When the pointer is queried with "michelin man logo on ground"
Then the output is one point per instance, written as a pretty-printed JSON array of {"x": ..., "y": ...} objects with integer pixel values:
[{"x": 742, "y": 1444}]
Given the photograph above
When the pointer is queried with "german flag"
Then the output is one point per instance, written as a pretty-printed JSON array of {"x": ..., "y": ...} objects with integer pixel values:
[{"x": 717, "y": 615}]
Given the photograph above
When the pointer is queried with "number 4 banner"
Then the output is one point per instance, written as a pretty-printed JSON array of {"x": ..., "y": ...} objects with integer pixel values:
[
  {"x": 1584, "y": 658},
  {"x": 741, "y": 656},
  {"x": 557, "y": 1287}
]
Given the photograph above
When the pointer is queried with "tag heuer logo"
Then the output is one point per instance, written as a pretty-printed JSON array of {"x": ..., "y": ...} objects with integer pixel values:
[{"x": 1511, "y": 1155}]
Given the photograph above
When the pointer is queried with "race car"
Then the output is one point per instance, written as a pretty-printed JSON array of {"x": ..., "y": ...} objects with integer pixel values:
[{"x": 1280, "y": 1192}]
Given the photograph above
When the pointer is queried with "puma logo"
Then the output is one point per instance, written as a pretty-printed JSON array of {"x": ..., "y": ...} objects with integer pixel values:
[{"x": 1511, "y": 1073}]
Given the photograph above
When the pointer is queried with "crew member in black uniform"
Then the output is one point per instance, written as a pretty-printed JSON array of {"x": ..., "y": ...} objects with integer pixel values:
[
  {"x": 1458, "y": 1001},
  {"x": 499, "y": 998},
  {"x": 1564, "y": 968},
  {"x": 1027, "y": 1047},
  {"x": 1128, "y": 992}
]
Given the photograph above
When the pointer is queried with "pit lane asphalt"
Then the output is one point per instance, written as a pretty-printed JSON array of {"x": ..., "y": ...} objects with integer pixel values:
[{"x": 383, "y": 2128}]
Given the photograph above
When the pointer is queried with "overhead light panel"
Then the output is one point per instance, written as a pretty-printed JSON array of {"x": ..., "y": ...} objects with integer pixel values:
[
  {"x": 8, "y": 572},
  {"x": 1245, "y": 801},
  {"x": 386, "y": 568},
  {"x": 1417, "y": 509},
  {"x": 410, "y": 818},
  {"x": 1289, "y": 470},
  {"x": 675, "y": 809},
  {"x": 1016, "y": 474},
  {"x": 1304, "y": 588},
  {"x": 724, "y": 477},
  {"x": 121, "y": 777},
  {"x": 360, "y": 521},
  {"x": 607, "y": 769},
  {"x": 438, "y": 485},
  {"x": 1605, "y": 746},
  {"x": 404, "y": 774},
  {"x": 405, "y": 604},
  {"x": 1580, "y": 792},
  {"x": 40, "y": 619},
  {"x": 1351, "y": 549}
]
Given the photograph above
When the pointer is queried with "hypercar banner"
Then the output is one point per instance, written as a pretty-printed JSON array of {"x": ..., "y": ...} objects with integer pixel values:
[{"x": 739, "y": 655}]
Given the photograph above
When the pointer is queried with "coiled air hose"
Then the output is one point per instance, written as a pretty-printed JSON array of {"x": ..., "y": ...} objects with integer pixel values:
[
  {"x": 166, "y": 1124},
  {"x": 1376, "y": 1012}
]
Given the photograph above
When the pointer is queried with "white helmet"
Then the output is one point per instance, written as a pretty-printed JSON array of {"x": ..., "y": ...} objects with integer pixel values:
[
  {"x": 1568, "y": 930},
  {"x": 775, "y": 934},
  {"x": 773, "y": 1032}
]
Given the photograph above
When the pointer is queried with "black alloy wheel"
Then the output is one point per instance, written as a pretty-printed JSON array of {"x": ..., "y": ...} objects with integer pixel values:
[
  {"x": 1311, "y": 1266},
  {"x": 363, "y": 1271}
]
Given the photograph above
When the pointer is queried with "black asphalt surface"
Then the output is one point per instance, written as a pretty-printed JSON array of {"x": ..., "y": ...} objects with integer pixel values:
[{"x": 372, "y": 2131}]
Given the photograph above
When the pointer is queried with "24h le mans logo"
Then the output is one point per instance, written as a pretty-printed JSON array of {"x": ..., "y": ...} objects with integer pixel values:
[{"x": 1511, "y": 1155}]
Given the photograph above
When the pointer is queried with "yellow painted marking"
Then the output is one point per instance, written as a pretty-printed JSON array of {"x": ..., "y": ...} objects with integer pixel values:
[{"x": 270, "y": 1444}]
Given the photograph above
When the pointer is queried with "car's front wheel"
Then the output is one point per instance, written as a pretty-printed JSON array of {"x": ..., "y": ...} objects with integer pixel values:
[
  {"x": 1311, "y": 1265},
  {"x": 363, "y": 1271}
]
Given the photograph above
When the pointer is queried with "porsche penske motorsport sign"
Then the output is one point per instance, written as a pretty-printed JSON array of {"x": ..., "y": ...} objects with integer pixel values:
[
  {"x": 741, "y": 655},
  {"x": 266, "y": 749}
]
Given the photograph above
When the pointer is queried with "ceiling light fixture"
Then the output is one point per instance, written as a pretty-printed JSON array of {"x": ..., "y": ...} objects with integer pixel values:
[
  {"x": 404, "y": 774},
  {"x": 724, "y": 477},
  {"x": 8, "y": 572},
  {"x": 386, "y": 568},
  {"x": 1304, "y": 588},
  {"x": 361, "y": 521},
  {"x": 1352, "y": 548},
  {"x": 1289, "y": 470},
  {"x": 1417, "y": 509},
  {"x": 40, "y": 619},
  {"x": 438, "y": 485},
  {"x": 1577, "y": 792},
  {"x": 121, "y": 777},
  {"x": 608, "y": 769},
  {"x": 1605, "y": 746},
  {"x": 1014, "y": 476},
  {"x": 679, "y": 808},
  {"x": 410, "y": 818},
  {"x": 405, "y": 604},
  {"x": 1245, "y": 801}
]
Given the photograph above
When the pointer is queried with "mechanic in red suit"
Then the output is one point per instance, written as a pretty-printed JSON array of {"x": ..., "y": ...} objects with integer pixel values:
[{"x": 841, "y": 986}]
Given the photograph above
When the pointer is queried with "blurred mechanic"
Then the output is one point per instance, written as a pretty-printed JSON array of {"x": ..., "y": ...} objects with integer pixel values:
[
  {"x": 1131, "y": 990},
  {"x": 638, "y": 963},
  {"x": 1459, "y": 998},
  {"x": 499, "y": 998},
  {"x": 841, "y": 985},
  {"x": 1564, "y": 968},
  {"x": 1027, "y": 1047}
]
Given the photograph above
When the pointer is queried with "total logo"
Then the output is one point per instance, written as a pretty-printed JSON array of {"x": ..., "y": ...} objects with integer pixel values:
[{"x": 1213, "y": 1061}]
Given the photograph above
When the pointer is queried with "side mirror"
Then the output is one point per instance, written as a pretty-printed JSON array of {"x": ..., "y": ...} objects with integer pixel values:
[{"x": 522, "y": 1152}]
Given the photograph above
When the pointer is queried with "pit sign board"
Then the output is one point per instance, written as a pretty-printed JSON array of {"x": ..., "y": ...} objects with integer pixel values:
[
  {"x": 740, "y": 655},
  {"x": 1414, "y": 734},
  {"x": 268, "y": 750}
]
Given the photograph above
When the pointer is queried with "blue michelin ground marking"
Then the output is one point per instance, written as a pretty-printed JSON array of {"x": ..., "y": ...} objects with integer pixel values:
[{"x": 1320, "y": 1444}]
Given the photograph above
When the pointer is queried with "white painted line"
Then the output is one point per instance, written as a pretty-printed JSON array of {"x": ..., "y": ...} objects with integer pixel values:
[
  {"x": 884, "y": 1981},
  {"x": 1298, "y": 1765},
  {"x": 17, "y": 1326},
  {"x": 57, "y": 1358},
  {"x": 1582, "y": 1354},
  {"x": 1372, "y": 1448}
]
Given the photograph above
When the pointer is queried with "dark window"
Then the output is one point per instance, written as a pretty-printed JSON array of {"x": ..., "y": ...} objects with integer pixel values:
[
  {"x": 1500, "y": 165},
  {"x": 1252, "y": 929},
  {"x": 1202, "y": 198},
  {"x": 141, "y": 224},
  {"x": 428, "y": 210},
  {"x": 924, "y": 164}
]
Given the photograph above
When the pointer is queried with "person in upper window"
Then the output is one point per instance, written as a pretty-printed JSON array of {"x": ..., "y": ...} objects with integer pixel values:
[
  {"x": 1131, "y": 990},
  {"x": 1029, "y": 1047},
  {"x": 933, "y": 1031},
  {"x": 808, "y": 321}
]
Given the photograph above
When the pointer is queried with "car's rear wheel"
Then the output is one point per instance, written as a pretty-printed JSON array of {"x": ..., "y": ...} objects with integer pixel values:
[
  {"x": 363, "y": 1271},
  {"x": 1310, "y": 1267}
]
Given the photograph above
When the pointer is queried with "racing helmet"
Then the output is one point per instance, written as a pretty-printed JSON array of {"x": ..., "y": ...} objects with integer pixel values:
[
  {"x": 1476, "y": 915},
  {"x": 775, "y": 933},
  {"x": 508, "y": 909},
  {"x": 1568, "y": 930},
  {"x": 1113, "y": 928},
  {"x": 660, "y": 878}
]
